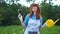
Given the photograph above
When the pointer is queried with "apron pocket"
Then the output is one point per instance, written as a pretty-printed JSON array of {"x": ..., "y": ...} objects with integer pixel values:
[{"x": 32, "y": 32}]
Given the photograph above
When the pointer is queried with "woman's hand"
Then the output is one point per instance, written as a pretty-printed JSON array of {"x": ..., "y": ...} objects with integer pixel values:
[
  {"x": 21, "y": 19},
  {"x": 42, "y": 26}
]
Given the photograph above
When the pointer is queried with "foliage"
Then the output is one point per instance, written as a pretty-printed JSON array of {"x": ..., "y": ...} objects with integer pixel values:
[{"x": 9, "y": 14}]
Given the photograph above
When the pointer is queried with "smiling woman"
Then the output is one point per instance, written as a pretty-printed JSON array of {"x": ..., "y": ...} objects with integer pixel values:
[{"x": 33, "y": 20}]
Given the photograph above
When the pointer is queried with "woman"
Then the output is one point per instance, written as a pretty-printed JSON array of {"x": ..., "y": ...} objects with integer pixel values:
[{"x": 33, "y": 20}]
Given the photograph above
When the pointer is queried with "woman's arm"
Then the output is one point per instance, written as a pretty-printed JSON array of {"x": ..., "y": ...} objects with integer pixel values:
[
  {"x": 26, "y": 20},
  {"x": 24, "y": 24},
  {"x": 41, "y": 26}
]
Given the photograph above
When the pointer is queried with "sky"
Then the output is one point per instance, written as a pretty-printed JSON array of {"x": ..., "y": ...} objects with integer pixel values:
[{"x": 23, "y": 2}]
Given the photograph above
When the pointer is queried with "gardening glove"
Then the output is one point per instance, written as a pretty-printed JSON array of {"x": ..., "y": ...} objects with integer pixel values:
[{"x": 20, "y": 17}]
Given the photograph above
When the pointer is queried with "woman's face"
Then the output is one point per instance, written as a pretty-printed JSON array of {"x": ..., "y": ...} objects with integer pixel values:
[{"x": 34, "y": 8}]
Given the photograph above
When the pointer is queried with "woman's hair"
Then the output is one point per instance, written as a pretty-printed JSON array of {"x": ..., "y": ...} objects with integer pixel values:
[{"x": 38, "y": 12}]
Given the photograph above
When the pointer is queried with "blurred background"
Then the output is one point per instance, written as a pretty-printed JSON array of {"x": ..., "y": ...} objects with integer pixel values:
[{"x": 10, "y": 24}]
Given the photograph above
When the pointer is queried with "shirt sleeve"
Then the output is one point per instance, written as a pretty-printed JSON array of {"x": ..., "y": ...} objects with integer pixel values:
[
  {"x": 26, "y": 20},
  {"x": 40, "y": 21}
]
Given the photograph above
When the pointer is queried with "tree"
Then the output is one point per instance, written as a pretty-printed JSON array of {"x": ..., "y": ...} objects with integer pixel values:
[
  {"x": 30, "y": 0},
  {"x": 49, "y": 11}
]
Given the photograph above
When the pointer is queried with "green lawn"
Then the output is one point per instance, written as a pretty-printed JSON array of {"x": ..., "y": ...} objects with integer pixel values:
[{"x": 16, "y": 29}]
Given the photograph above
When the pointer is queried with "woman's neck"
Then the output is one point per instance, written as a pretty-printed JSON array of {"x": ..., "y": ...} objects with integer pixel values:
[{"x": 34, "y": 13}]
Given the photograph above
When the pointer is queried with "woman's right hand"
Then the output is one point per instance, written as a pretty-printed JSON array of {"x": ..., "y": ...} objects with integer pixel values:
[{"x": 21, "y": 19}]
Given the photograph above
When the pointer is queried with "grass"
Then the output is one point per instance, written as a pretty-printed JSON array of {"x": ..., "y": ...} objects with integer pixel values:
[
  {"x": 17, "y": 29},
  {"x": 53, "y": 30}
]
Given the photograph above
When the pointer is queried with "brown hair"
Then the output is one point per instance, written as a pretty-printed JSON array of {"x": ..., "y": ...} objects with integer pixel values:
[{"x": 38, "y": 12}]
